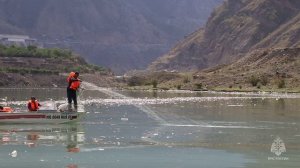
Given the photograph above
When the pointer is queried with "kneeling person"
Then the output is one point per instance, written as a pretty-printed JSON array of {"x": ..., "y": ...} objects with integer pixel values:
[
  {"x": 33, "y": 104},
  {"x": 6, "y": 109}
]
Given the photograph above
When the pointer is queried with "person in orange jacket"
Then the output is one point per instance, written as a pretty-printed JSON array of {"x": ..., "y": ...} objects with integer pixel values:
[
  {"x": 6, "y": 109},
  {"x": 73, "y": 85},
  {"x": 33, "y": 104},
  {"x": 73, "y": 148}
]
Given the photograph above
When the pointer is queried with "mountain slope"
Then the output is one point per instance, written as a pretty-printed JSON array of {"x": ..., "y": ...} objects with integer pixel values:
[
  {"x": 264, "y": 68},
  {"x": 119, "y": 34},
  {"x": 287, "y": 35},
  {"x": 234, "y": 29}
]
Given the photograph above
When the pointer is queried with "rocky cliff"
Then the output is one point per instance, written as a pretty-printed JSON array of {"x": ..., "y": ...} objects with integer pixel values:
[{"x": 234, "y": 29}]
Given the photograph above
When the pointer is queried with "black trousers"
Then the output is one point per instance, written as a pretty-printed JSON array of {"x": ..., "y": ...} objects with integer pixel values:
[{"x": 71, "y": 94}]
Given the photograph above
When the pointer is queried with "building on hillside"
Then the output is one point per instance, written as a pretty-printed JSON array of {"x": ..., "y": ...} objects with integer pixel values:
[{"x": 17, "y": 40}]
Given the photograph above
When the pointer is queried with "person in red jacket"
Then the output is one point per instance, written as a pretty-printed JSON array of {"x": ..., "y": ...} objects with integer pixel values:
[
  {"x": 73, "y": 85},
  {"x": 6, "y": 109},
  {"x": 33, "y": 104}
]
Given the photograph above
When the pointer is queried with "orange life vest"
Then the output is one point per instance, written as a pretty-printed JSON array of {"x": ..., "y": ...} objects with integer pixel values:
[
  {"x": 7, "y": 110},
  {"x": 74, "y": 150},
  {"x": 71, "y": 75},
  {"x": 75, "y": 84},
  {"x": 34, "y": 105}
]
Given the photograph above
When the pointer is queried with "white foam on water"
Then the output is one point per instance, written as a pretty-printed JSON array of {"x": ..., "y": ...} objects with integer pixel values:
[
  {"x": 235, "y": 105},
  {"x": 124, "y": 119},
  {"x": 216, "y": 126},
  {"x": 155, "y": 101},
  {"x": 110, "y": 148},
  {"x": 278, "y": 123}
]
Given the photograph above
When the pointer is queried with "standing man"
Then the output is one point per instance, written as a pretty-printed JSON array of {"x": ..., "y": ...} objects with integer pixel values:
[{"x": 73, "y": 85}]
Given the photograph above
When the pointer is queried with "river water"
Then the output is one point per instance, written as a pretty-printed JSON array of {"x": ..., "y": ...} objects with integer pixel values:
[{"x": 167, "y": 129}]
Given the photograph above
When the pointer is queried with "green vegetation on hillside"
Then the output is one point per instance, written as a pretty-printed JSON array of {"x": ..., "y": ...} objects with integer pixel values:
[
  {"x": 23, "y": 71},
  {"x": 155, "y": 80},
  {"x": 33, "y": 51},
  {"x": 34, "y": 60}
]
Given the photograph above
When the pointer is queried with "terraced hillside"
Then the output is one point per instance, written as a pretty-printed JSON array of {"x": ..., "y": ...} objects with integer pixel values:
[{"x": 33, "y": 66}]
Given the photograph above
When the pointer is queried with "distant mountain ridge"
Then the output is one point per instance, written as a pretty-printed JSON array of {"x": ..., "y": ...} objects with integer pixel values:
[
  {"x": 233, "y": 30},
  {"x": 118, "y": 34}
]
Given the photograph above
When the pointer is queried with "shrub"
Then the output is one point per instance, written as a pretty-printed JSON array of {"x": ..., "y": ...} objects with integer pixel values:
[
  {"x": 198, "y": 85},
  {"x": 281, "y": 83},
  {"x": 2, "y": 47},
  {"x": 258, "y": 86},
  {"x": 264, "y": 80},
  {"x": 254, "y": 80},
  {"x": 154, "y": 83},
  {"x": 135, "y": 81},
  {"x": 31, "y": 48},
  {"x": 178, "y": 87},
  {"x": 186, "y": 79},
  {"x": 96, "y": 67},
  {"x": 165, "y": 88}
]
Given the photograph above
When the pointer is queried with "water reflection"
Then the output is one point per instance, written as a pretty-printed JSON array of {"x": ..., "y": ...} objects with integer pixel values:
[{"x": 28, "y": 135}]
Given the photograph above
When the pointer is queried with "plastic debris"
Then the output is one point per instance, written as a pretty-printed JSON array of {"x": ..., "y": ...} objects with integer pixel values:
[{"x": 14, "y": 154}]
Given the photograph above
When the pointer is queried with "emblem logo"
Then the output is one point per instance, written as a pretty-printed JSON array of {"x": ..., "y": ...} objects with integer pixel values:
[{"x": 278, "y": 147}]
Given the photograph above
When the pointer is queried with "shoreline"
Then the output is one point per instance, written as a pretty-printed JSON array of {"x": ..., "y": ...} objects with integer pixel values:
[
  {"x": 218, "y": 89},
  {"x": 138, "y": 88},
  {"x": 214, "y": 90}
]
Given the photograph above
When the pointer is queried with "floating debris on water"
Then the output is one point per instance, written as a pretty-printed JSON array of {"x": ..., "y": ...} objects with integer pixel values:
[
  {"x": 156, "y": 101},
  {"x": 235, "y": 105},
  {"x": 14, "y": 154},
  {"x": 124, "y": 119}
]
